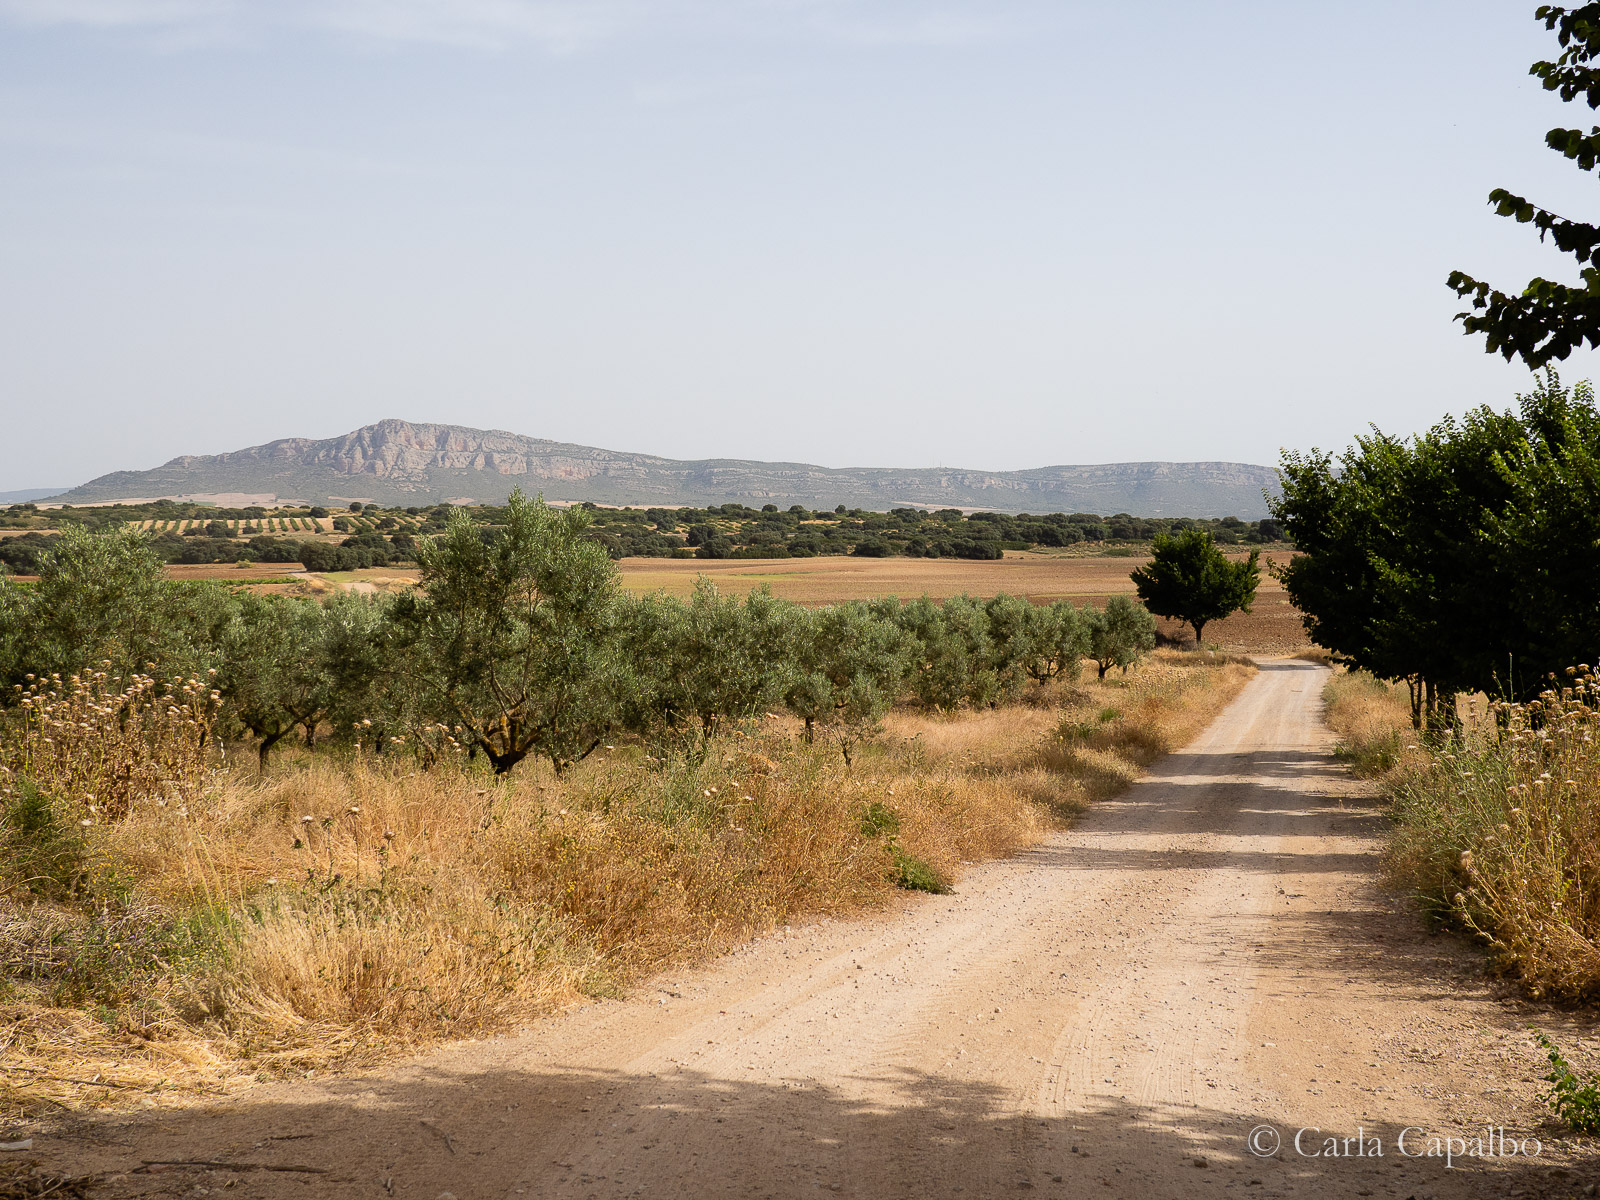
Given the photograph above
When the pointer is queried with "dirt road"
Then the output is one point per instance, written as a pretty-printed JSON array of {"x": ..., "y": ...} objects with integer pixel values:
[{"x": 1109, "y": 1014}]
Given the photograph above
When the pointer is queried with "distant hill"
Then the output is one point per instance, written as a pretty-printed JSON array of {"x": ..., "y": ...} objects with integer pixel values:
[
  {"x": 27, "y": 494},
  {"x": 398, "y": 462}
]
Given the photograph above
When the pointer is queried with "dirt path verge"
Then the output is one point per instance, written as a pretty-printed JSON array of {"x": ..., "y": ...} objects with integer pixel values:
[{"x": 1112, "y": 1013}]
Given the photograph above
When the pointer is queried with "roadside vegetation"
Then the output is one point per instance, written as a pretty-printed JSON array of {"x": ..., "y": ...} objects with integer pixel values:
[
  {"x": 1494, "y": 827},
  {"x": 249, "y": 834},
  {"x": 1455, "y": 573}
]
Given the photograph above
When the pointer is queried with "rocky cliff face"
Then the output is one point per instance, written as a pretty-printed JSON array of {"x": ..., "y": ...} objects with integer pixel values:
[{"x": 398, "y": 462}]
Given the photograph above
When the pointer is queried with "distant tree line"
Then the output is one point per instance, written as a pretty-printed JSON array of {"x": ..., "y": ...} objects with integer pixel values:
[
  {"x": 22, "y": 554},
  {"x": 107, "y": 516},
  {"x": 363, "y": 535},
  {"x": 519, "y": 643},
  {"x": 378, "y": 536},
  {"x": 738, "y": 531}
]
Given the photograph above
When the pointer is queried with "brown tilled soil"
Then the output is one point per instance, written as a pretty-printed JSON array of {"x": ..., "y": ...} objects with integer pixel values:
[{"x": 1206, "y": 960}]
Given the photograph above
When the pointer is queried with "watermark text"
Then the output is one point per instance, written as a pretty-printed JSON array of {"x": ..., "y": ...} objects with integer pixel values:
[{"x": 1452, "y": 1149}]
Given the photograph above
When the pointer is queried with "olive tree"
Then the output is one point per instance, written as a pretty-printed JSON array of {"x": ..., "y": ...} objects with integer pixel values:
[
  {"x": 952, "y": 653},
  {"x": 1014, "y": 630},
  {"x": 1120, "y": 634},
  {"x": 101, "y": 599},
  {"x": 512, "y": 634},
  {"x": 275, "y": 677},
  {"x": 1060, "y": 642},
  {"x": 850, "y": 665},
  {"x": 99, "y": 596},
  {"x": 714, "y": 658}
]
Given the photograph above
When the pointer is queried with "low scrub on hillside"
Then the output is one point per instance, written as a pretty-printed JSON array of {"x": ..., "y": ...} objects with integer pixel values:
[
  {"x": 190, "y": 928},
  {"x": 1497, "y": 828}
]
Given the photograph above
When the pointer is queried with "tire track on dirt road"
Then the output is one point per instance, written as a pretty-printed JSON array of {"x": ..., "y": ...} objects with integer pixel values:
[{"x": 1112, "y": 1011}]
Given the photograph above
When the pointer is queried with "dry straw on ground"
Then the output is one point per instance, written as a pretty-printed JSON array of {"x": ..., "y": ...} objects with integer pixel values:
[{"x": 343, "y": 906}]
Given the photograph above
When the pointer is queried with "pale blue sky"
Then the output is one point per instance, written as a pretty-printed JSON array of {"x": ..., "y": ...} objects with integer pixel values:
[{"x": 855, "y": 232}]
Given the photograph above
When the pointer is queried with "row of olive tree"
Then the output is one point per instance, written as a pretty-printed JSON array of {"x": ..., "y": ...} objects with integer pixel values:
[
  {"x": 520, "y": 643},
  {"x": 525, "y": 643}
]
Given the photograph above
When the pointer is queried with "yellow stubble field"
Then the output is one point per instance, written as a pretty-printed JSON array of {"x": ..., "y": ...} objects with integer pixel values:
[{"x": 1272, "y": 625}]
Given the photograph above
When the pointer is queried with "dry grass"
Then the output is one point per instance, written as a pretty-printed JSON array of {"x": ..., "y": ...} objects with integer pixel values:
[
  {"x": 1497, "y": 832},
  {"x": 342, "y": 907},
  {"x": 1372, "y": 719},
  {"x": 1317, "y": 654},
  {"x": 1112, "y": 730}
]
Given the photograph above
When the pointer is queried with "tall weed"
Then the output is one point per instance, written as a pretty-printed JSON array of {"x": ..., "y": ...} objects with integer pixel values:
[{"x": 1499, "y": 831}]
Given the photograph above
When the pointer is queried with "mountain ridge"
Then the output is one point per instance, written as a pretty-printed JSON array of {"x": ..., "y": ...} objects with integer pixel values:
[{"x": 403, "y": 462}]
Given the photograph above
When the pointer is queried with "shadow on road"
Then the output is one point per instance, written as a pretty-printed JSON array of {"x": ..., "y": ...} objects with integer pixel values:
[{"x": 548, "y": 1132}]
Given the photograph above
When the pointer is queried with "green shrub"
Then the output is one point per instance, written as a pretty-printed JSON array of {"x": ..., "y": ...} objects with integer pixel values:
[
  {"x": 45, "y": 848},
  {"x": 914, "y": 875},
  {"x": 1575, "y": 1102}
]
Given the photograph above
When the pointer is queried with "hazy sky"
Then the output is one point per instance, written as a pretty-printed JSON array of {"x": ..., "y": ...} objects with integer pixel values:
[{"x": 994, "y": 234}]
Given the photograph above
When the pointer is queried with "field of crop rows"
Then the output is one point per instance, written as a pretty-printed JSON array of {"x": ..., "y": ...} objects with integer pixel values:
[{"x": 288, "y": 526}]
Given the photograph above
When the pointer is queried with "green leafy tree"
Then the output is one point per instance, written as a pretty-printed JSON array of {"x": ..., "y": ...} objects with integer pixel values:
[
  {"x": 14, "y": 639},
  {"x": 362, "y": 664},
  {"x": 1465, "y": 559},
  {"x": 1060, "y": 642},
  {"x": 1120, "y": 634},
  {"x": 953, "y": 652},
  {"x": 849, "y": 668},
  {"x": 1547, "y": 320},
  {"x": 647, "y": 629},
  {"x": 275, "y": 677},
  {"x": 1351, "y": 599},
  {"x": 513, "y": 636},
  {"x": 715, "y": 658},
  {"x": 1547, "y": 531},
  {"x": 100, "y": 597},
  {"x": 1189, "y": 579},
  {"x": 1014, "y": 640}
]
